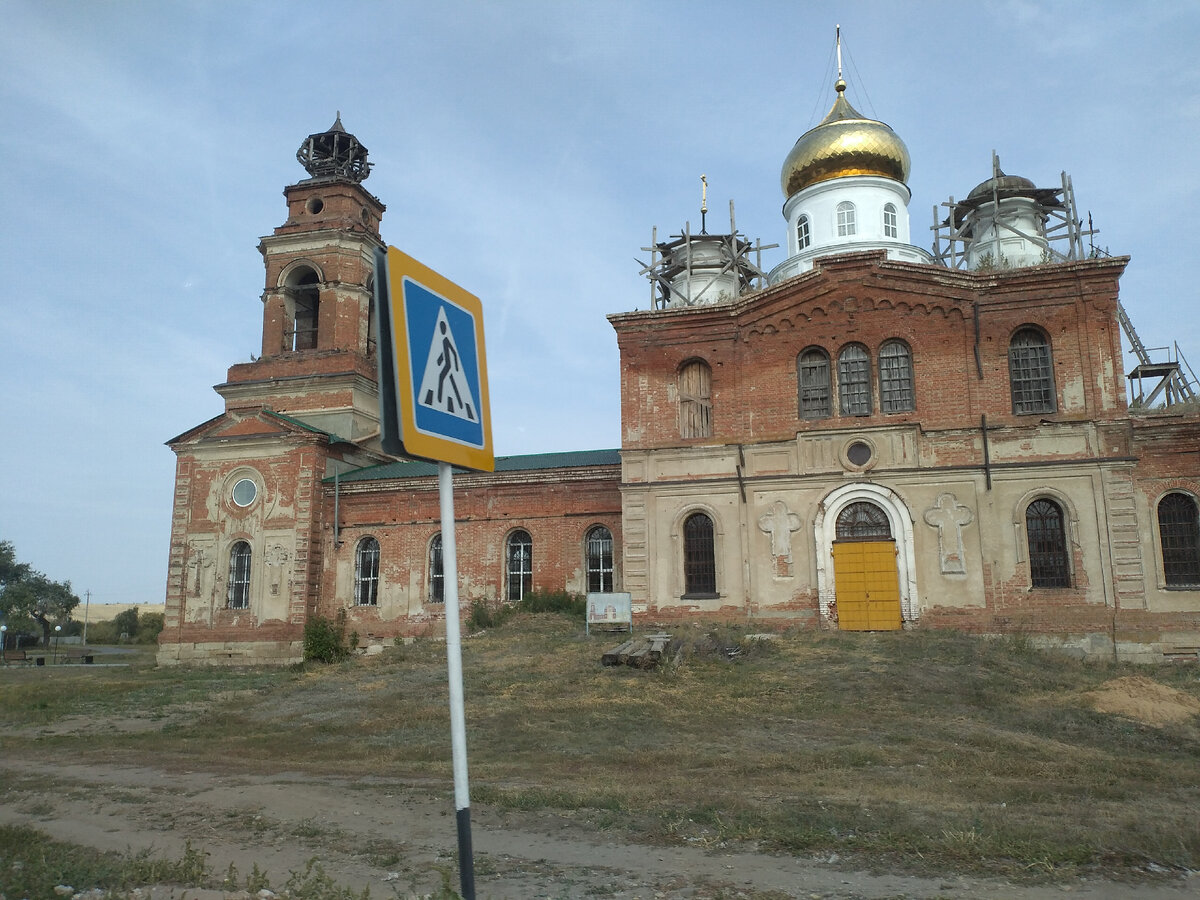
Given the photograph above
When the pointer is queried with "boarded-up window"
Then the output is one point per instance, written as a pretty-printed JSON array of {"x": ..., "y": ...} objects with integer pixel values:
[
  {"x": 854, "y": 381},
  {"x": 1031, "y": 372},
  {"x": 895, "y": 378},
  {"x": 816, "y": 392},
  {"x": 695, "y": 400}
]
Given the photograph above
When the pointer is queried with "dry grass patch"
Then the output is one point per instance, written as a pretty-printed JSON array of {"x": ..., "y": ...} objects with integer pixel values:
[{"x": 922, "y": 750}]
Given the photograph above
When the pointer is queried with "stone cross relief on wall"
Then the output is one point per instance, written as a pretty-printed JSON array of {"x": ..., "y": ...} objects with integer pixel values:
[
  {"x": 779, "y": 525},
  {"x": 949, "y": 516}
]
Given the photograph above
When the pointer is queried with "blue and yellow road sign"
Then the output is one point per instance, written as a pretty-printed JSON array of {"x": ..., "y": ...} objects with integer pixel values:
[{"x": 432, "y": 365}]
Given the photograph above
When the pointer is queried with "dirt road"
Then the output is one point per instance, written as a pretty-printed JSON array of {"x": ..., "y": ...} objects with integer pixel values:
[{"x": 397, "y": 839}]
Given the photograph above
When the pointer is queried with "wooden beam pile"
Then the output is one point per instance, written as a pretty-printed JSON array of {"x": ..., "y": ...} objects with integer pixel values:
[{"x": 640, "y": 653}]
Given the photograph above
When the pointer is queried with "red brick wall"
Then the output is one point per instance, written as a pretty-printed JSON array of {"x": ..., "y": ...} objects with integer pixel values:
[
  {"x": 556, "y": 507},
  {"x": 752, "y": 347}
]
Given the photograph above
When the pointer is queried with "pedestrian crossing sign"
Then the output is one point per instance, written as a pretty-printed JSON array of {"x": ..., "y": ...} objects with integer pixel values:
[{"x": 432, "y": 366}]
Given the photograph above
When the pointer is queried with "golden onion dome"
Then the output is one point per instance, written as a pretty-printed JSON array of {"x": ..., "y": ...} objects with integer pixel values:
[{"x": 845, "y": 143}]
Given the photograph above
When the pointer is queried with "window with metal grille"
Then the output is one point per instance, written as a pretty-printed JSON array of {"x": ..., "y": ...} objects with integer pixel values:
[
  {"x": 437, "y": 574},
  {"x": 846, "y": 219},
  {"x": 1049, "y": 566},
  {"x": 1179, "y": 532},
  {"x": 366, "y": 572},
  {"x": 239, "y": 576},
  {"x": 599, "y": 559},
  {"x": 895, "y": 377},
  {"x": 1031, "y": 372},
  {"x": 854, "y": 381},
  {"x": 891, "y": 222},
  {"x": 803, "y": 232},
  {"x": 815, "y": 390},
  {"x": 863, "y": 521},
  {"x": 519, "y": 563},
  {"x": 699, "y": 556},
  {"x": 695, "y": 400}
]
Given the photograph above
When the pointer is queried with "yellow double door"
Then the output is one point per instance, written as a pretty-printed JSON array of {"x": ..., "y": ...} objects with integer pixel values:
[{"x": 867, "y": 585}]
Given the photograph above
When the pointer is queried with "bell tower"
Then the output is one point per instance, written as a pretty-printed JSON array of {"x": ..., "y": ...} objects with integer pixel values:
[{"x": 318, "y": 342}]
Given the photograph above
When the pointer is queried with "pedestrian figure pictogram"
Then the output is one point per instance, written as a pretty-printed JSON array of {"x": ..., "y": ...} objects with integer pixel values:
[{"x": 444, "y": 385}]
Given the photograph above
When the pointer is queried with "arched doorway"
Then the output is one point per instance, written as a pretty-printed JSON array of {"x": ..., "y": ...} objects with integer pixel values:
[{"x": 866, "y": 578}]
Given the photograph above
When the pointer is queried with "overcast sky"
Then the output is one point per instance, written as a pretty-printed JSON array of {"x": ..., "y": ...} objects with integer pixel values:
[{"x": 524, "y": 150}]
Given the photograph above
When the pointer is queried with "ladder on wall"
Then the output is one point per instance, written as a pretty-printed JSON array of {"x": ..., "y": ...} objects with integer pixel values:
[{"x": 1172, "y": 383}]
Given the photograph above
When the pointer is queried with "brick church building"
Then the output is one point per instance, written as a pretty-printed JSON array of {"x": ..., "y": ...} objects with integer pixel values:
[{"x": 869, "y": 436}]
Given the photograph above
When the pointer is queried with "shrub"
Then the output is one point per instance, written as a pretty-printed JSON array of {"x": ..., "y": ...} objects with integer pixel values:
[
  {"x": 150, "y": 625},
  {"x": 554, "y": 602},
  {"x": 325, "y": 641},
  {"x": 485, "y": 615}
]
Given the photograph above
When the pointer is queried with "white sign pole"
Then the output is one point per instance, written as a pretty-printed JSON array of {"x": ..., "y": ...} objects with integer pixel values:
[{"x": 458, "y": 722}]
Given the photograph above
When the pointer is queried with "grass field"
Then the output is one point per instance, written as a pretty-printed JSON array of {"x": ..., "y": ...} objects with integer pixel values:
[{"x": 919, "y": 752}]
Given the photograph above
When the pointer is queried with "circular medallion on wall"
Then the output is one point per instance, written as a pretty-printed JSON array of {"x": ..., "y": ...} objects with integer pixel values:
[
  {"x": 245, "y": 492},
  {"x": 858, "y": 454}
]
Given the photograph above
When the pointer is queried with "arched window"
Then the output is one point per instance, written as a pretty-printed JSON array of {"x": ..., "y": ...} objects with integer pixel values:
[
  {"x": 519, "y": 565},
  {"x": 816, "y": 393},
  {"x": 854, "y": 381},
  {"x": 695, "y": 400},
  {"x": 437, "y": 574},
  {"x": 895, "y": 377},
  {"x": 1179, "y": 531},
  {"x": 305, "y": 295},
  {"x": 845, "y": 219},
  {"x": 599, "y": 559},
  {"x": 863, "y": 521},
  {"x": 1049, "y": 566},
  {"x": 891, "y": 222},
  {"x": 239, "y": 576},
  {"x": 803, "y": 233},
  {"x": 366, "y": 572},
  {"x": 699, "y": 557},
  {"x": 1031, "y": 372}
]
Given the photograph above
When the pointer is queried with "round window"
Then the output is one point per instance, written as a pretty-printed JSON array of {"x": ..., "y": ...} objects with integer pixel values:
[
  {"x": 859, "y": 453},
  {"x": 244, "y": 492},
  {"x": 315, "y": 205}
]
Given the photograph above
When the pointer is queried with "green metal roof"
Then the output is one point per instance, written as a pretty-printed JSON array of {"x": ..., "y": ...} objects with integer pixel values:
[
  {"x": 305, "y": 425},
  {"x": 531, "y": 462}
]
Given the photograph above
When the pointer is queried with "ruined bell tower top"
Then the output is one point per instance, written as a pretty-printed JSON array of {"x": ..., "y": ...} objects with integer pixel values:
[{"x": 334, "y": 154}]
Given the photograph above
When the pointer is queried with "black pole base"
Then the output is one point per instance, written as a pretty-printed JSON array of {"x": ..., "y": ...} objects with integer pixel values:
[{"x": 466, "y": 858}]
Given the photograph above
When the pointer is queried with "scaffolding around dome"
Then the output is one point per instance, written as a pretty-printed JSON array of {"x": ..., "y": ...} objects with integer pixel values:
[
  {"x": 694, "y": 269},
  {"x": 1007, "y": 222}
]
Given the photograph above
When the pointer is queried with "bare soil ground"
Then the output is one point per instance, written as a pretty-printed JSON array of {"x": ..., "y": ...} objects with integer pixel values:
[{"x": 397, "y": 840}]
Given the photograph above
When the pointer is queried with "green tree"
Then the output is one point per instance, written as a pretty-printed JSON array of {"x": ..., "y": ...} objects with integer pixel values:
[
  {"x": 126, "y": 622},
  {"x": 30, "y": 600}
]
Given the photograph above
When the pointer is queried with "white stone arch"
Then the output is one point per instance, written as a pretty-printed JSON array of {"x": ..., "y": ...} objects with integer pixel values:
[
  {"x": 900, "y": 521},
  {"x": 287, "y": 275}
]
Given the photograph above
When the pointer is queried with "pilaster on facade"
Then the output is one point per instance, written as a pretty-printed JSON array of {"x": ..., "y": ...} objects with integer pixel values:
[{"x": 1126, "y": 537}]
